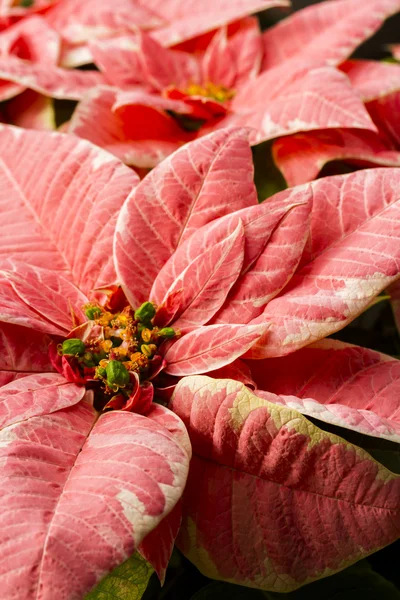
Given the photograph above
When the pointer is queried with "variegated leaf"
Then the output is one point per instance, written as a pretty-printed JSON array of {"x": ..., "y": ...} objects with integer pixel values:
[
  {"x": 209, "y": 178},
  {"x": 59, "y": 202},
  {"x": 288, "y": 502},
  {"x": 338, "y": 383},
  {"x": 22, "y": 353},
  {"x": 112, "y": 482},
  {"x": 211, "y": 347},
  {"x": 300, "y": 157},
  {"x": 353, "y": 253}
]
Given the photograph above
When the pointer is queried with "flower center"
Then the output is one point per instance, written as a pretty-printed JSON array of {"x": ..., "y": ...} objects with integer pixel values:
[
  {"x": 116, "y": 350},
  {"x": 219, "y": 93}
]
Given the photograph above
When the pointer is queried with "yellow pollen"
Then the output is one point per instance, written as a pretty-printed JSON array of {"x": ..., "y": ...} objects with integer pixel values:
[
  {"x": 146, "y": 334},
  {"x": 106, "y": 345},
  {"x": 220, "y": 93}
]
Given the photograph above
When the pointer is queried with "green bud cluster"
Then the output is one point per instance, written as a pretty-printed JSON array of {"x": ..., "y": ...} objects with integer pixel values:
[
  {"x": 73, "y": 347},
  {"x": 116, "y": 373},
  {"x": 145, "y": 313}
]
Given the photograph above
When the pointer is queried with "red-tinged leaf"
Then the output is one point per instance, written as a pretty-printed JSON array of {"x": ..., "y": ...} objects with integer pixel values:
[
  {"x": 48, "y": 294},
  {"x": 338, "y": 383},
  {"x": 31, "y": 110},
  {"x": 209, "y": 178},
  {"x": 130, "y": 465},
  {"x": 134, "y": 130},
  {"x": 211, "y": 347},
  {"x": 68, "y": 84},
  {"x": 139, "y": 59},
  {"x": 157, "y": 546},
  {"x": 59, "y": 202},
  {"x": 15, "y": 311},
  {"x": 238, "y": 370},
  {"x": 288, "y": 502},
  {"x": 36, "y": 395},
  {"x": 384, "y": 113},
  {"x": 394, "y": 292},
  {"x": 190, "y": 19},
  {"x": 326, "y": 33},
  {"x": 22, "y": 353},
  {"x": 285, "y": 101},
  {"x": 275, "y": 265},
  {"x": 231, "y": 61},
  {"x": 259, "y": 223},
  {"x": 373, "y": 79},
  {"x": 352, "y": 255},
  {"x": 206, "y": 281},
  {"x": 31, "y": 39},
  {"x": 79, "y": 22},
  {"x": 300, "y": 157}
]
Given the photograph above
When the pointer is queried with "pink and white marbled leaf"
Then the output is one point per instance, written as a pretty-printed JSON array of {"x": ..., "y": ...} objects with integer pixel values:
[
  {"x": 209, "y": 178},
  {"x": 338, "y": 383},
  {"x": 132, "y": 465},
  {"x": 288, "y": 502},
  {"x": 208, "y": 348},
  {"x": 59, "y": 212},
  {"x": 344, "y": 267}
]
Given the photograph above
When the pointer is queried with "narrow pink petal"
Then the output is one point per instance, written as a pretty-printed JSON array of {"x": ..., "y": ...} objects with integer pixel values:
[
  {"x": 275, "y": 265},
  {"x": 22, "y": 353},
  {"x": 259, "y": 222},
  {"x": 300, "y": 157},
  {"x": 59, "y": 200},
  {"x": 326, "y": 33},
  {"x": 207, "y": 279},
  {"x": 345, "y": 265},
  {"x": 212, "y": 347},
  {"x": 232, "y": 61},
  {"x": 36, "y": 395},
  {"x": 206, "y": 179},
  {"x": 288, "y": 502},
  {"x": 31, "y": 39},
  {"x": 338, "y": 383},
  {"x": 139, "y": 59},
  {"x": 126, "y": 468}
]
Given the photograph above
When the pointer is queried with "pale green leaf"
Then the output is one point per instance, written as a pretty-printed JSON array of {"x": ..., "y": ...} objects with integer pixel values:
[{"x": 127, "y": 582}]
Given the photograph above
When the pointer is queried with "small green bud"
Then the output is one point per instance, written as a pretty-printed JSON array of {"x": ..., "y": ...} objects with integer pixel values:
[
  {"x": 146, "y": 312},
  {"x": 101, "y": 372},
  {"x": 26, "y": 3},
  {"x": 92, "y": 312},
  {"x": 117, "y": 374},
  {"x": 167, "y": 332},
  {"x": 72, "y": 347}
]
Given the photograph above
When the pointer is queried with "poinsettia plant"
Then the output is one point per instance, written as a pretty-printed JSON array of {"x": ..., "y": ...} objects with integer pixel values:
[
  {"x": 145, "y": 323},
  {"x": 278, "y": 83}
]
